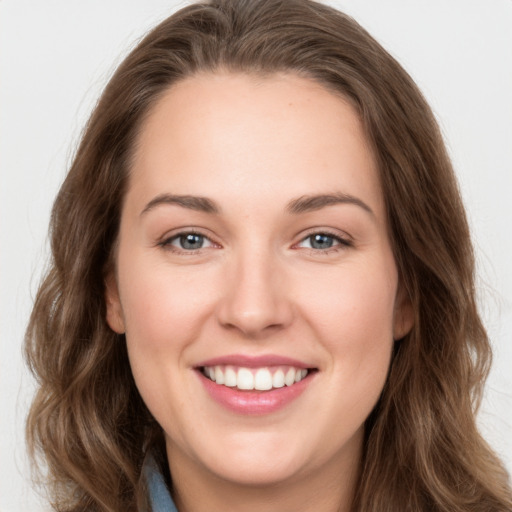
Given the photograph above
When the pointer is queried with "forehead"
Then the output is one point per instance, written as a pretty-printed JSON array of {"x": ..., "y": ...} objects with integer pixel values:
[{"x": 266, "y": 136}]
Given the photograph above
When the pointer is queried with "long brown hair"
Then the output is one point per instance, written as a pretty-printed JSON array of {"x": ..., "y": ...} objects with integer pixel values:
[{"x": 422, "y": 449}]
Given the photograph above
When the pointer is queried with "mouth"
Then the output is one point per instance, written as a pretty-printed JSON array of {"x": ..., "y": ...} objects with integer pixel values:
[
  {"x": 259, "y": 379},
  {"x": 254, "y": 386}
]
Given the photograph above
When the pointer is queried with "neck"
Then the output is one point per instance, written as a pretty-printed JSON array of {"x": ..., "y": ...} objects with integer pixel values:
[{"x": 329, "y": 488}]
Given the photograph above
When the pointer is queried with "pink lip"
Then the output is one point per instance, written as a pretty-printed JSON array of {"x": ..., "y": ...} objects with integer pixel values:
[
  {"x": 253, "y": 361},
  {"x": 253, "y": 402}
]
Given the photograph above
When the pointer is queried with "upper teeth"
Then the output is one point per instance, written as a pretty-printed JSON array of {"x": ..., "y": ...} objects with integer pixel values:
[{"x": 260, "y": 379}]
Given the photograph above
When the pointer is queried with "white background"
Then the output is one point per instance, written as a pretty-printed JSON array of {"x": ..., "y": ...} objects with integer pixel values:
[{"x": 55, "y": 57}]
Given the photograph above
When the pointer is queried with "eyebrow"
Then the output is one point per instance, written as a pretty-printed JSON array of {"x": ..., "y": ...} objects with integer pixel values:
[
  {"x": 200, "y": 204},
  {"x": 303, "y": 204},
  {"x": 312, "y": 203}
]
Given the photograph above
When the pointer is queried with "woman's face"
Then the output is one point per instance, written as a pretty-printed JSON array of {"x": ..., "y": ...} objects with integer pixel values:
[{"x": 253, "y": 252}]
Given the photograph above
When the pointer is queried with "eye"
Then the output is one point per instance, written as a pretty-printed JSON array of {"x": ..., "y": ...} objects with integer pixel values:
[
  {"x": 323, "y": 241},
  {"x": 187, "y": 242}
]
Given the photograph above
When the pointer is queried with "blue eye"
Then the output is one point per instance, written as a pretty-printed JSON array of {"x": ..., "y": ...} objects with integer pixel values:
[
  {"x": 190, "y": 241},
  {"x": 187, "y": 242},
  {"x": 323, "y": 241}
]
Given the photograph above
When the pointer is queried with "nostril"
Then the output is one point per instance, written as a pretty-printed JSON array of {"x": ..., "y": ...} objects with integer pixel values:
[{"x": 252, "y": 323}]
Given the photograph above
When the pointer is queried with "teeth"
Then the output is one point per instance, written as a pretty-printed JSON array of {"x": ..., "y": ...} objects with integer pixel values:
[
  {"x": 289, "y": 378},
  {"x": 278, "y": 379},
  {"x": 229, "y": 377},
  {"x": 245, "y": 379},
  {"x": 261, "y": 379},
  {"x": 219, "y": 375}
]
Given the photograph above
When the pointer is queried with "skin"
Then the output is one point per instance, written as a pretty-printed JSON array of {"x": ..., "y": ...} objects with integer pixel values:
[{"x": 257, "y": 286}]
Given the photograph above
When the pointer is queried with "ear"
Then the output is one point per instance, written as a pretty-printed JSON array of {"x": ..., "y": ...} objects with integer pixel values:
[
  {"x": 403, "y": 319},
  {"x": 115, "y": 317}
]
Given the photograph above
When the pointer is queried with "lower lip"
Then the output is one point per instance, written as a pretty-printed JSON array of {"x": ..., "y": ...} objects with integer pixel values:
[{"x": 254, "y": 402}]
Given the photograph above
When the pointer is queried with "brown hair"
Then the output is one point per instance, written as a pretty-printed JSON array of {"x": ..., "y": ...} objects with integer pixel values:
[{"x": 422, "y": 449}]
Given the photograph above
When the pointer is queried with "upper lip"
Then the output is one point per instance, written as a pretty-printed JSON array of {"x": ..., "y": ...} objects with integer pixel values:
[{"x": 254, "y": 361}]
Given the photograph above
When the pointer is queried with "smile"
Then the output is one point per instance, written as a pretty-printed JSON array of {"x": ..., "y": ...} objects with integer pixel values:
[
  {"x": 258, "y": 385},
  {"x": 260, "y": 379}
]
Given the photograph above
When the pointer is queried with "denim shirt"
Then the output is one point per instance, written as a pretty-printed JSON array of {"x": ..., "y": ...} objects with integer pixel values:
[{"x": 159, "y": 495}]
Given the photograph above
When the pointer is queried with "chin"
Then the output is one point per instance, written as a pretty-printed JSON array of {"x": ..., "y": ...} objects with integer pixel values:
[
  {"x": 256, "y": 471},
  {"x": 249, "y": 458}
]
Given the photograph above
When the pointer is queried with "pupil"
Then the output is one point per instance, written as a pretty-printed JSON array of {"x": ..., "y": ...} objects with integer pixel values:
[
  {"x": 191, "y": 241},
  {"x": 321, "y": 241}
]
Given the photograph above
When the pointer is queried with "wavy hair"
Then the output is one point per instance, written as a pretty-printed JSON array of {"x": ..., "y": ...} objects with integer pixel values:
[{"x": 89, "y": 427}]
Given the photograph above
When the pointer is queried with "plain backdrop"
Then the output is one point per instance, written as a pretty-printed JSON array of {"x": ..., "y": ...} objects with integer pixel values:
[{"x": 55, "y": 58}]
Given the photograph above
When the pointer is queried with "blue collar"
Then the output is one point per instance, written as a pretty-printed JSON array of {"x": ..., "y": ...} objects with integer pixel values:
[{"x": 159, "y": 495}]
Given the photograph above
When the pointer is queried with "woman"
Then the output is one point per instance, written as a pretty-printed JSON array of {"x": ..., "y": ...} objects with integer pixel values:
[{"x": 265, "y": 296}]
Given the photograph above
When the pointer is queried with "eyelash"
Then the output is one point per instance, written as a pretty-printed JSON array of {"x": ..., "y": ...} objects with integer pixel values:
[
  {"x": 341, "y": 242},
  {"x": 167, "y": 242}
]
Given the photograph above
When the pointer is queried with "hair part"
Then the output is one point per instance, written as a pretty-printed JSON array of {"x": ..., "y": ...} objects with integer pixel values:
[{"x": 422, "y": 449}]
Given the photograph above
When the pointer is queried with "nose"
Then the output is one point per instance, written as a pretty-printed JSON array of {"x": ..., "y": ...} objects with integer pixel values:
[{"x": 256, "y": 299}]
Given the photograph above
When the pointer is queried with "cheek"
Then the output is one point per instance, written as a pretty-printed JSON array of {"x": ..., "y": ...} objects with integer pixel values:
[
  {"x": 354, "y": 324},
  {"x": 351, "y": 313},
  {"x": 164, "y": 313},
  {"x": 162, "y": 309},
  {"x": 358, "y": 301}
]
